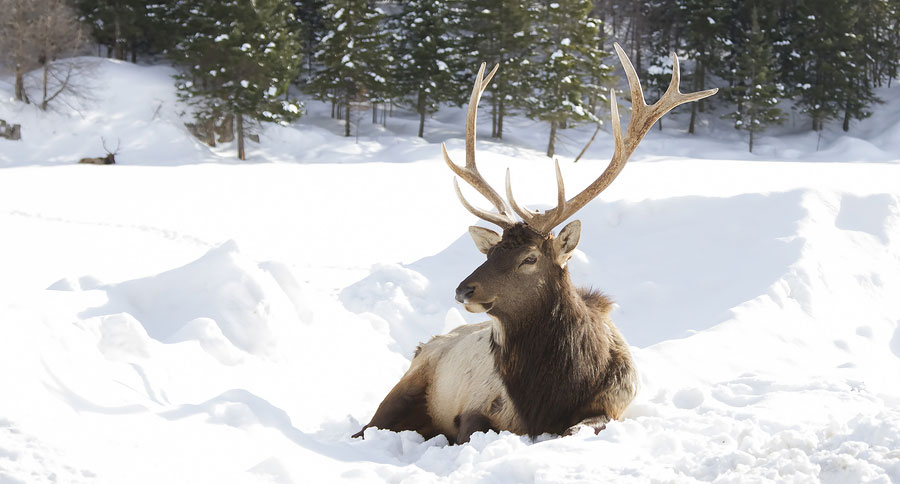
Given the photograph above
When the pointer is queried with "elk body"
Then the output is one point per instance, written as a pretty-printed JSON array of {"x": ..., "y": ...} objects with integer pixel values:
[
  {"x": 550, "y": 358},
  {"x": 109, "y": 159}
]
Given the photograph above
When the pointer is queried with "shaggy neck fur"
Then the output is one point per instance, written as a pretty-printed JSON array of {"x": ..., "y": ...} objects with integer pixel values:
[{"x": 553, "y": 358}]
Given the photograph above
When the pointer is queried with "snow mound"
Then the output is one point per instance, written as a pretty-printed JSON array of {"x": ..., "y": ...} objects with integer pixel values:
[{"x": 223, "y": 300}]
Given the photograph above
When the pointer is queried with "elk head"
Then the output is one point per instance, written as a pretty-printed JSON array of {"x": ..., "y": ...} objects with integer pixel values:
[{"x": 528, "y": 259}]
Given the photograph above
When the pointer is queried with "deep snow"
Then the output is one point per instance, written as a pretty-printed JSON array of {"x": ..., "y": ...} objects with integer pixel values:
[{"x": 182, "y": 317}]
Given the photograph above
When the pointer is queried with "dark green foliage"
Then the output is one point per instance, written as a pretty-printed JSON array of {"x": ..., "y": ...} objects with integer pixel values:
[
  {"x": 825, "y": 57},
  {"x": 126, "y": 26},
  {"x": 312, "y": 29},
  {"x": 353, "y": 57},
  {"x": 239, "y": 57},
  {"x": 754, "y": 91},
  {"x": 500, "y": 32},
  {"x": 568, "y": 69},
  {"x": 425, "y": 56}
]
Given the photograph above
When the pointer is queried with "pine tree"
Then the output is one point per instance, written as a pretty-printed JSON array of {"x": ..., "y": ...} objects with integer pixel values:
[
  {"x": 665, "y": 18},
  {"x": 353, "y": 57},
  {"x": 703, "y": 23},
  {"x": 820, "y": 71},
  {"x": 239, "y": 58},
  {"x": 499, "y": 32},
  {"x": 312, "y": 29},
  {"x": 755, "y": 93},
  {"x": 568, "y": 67},
  {"x": 865, "y": 50},
  {"x": 425, "y": 54},
  {"x": 124, "y": 26}
]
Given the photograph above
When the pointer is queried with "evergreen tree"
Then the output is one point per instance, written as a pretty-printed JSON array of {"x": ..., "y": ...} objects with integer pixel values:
[
  {"x": 703, "y": 23},
  {"x": 820, "y": 73},
  {"x": 353, "y": 57},
  {"x": 312, "y": 29},
  {"x": 124, "y": 26},
  {"x": 500, "y": 32},
  {"x": 568, "y": 57},
  {"x": 666, "y": 20},
  {"x": 239, "y": 59},
  {"x": 755, "y": 94},
  {"x": 425, "y": 56}
]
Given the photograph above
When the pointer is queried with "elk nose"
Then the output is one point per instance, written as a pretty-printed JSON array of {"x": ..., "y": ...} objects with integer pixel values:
[{"x": 464, "y": 293}]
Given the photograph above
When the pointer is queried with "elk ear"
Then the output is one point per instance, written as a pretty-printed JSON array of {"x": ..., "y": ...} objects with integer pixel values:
[
  {"x": 565, "y": 242},
  {"x": 484, "y": 238}
]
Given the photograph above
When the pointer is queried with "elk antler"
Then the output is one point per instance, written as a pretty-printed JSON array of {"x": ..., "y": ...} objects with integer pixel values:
[
  {"x": 108, "y": 152},
  {"x": 642, "y": 119},
  {"x": 470, "y": 173}
]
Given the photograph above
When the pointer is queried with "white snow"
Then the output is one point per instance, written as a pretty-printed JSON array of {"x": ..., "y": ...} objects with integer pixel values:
[{"x": 184, "y": 317}]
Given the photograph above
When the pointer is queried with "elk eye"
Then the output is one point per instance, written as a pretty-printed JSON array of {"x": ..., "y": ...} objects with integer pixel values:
[{"x": 530, "y": 260}]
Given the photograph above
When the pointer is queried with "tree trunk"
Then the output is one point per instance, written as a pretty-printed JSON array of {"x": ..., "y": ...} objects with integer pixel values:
[
  {"x": 347, "y": 120},
  {"x": 420, "y": 107},
  {"x": 846, "y": 125},
  {"x": 20, "y": 84},
  {"x": 44, "y": 99},
  {"x": 500, "y": 112},
  {"x": 493, "y": 115},
  {"x": 332, "y": 108},
  {"x": 751, "y": 140},
  {"x": 120, "y": 44},
  {"x": 211, "y": 132},
  {"x": 240, "y": 136},
  {"x": 374, "y": 113},
  {"x": 226, "y": 129},
  {"x": 698, "y": 85},
  {"x": 551, "y": 146},
  {"x": 693, "y": 118},
  {"x": 699, "y": 82}
]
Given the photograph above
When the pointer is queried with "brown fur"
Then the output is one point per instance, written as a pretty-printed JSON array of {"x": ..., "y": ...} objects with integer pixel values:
[
  {"x": 109, "y": 159},
  {"x": 557, "y": 359}
]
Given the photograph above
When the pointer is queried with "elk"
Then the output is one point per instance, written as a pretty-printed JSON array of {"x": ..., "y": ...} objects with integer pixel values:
[
  {"x": 109, "y": 159},
  {"x": 550, "y": 358}
]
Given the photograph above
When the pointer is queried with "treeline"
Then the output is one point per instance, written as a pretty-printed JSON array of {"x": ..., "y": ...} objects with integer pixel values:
[
  {"x": 823, "y": 56},
  {"x": 242, "y": 60}
]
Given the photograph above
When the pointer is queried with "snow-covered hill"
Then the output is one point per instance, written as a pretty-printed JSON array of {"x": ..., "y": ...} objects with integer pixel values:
[{"x": 182, "y": 317}]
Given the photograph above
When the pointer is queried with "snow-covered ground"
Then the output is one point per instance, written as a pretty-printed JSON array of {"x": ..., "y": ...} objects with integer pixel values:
[{"x": 182, "y": 317}]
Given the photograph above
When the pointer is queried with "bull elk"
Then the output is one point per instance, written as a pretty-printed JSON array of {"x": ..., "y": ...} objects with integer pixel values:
[
  {"x": 109, "y": 159},
  {"x": 550, "y": 358}
]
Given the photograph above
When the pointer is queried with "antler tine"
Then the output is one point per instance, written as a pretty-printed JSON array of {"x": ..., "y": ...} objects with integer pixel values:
[
  {"x": 527, "y": 215},
  {"x": 642, "y": 119},
  {"x": 470, "y": 173},
  {"x": 634, "y": 84},
  {"x": 498, "y": 219},
  {"x": 547, "y": 218}
]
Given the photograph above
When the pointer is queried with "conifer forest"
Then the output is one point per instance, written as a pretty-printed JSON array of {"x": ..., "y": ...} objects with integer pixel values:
[{"x": 254, "y": 61}]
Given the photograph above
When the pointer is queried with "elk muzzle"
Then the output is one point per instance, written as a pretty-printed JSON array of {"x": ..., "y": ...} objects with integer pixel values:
[{"x": 464, "y": 292}]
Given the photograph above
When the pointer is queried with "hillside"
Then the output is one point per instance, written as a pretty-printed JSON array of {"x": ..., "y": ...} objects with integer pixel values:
[{"x": 183, "y": 317}]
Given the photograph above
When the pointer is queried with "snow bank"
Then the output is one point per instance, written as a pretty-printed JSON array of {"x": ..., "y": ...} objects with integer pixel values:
[{"x": 221, "y": 300}]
